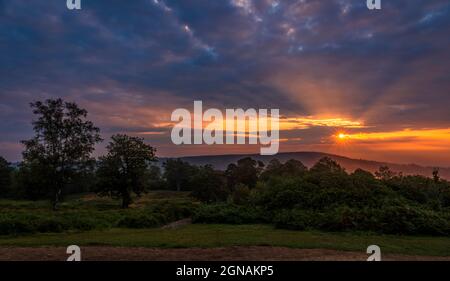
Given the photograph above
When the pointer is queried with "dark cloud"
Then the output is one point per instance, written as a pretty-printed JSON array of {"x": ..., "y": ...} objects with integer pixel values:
[{"x": 132, "y": 62}]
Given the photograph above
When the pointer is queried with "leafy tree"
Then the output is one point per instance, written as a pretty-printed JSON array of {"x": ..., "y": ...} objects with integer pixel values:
[
  {"x": 154, "y": 178},
  {"x": 328, "y": 173},
  {"x": 33, "y": 180},
  {"x": 246, "y": 172},
  {"x": 274, "y": 165},
  {"x": 5, "y": 177},
  {"x": 240, "y": 195},
  {"x": 123, "y": 170},
  {"x": 326, "y": 165},
  {"x": 292, "y": 168},
  {"x": 436, "y": 176},
  {"x": 209, "y": 185},
  {"x": 384, "y": 173},
  {"x": 362, "y": 178},
  {"x": 230, "y": 176},
  {"x": 178, "y": 174},
  {"x": 63, "y": 143}
]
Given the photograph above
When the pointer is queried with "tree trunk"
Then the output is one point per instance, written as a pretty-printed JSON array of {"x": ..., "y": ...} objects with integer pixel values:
[
  {"x": 56, "y": 199},
  {"x": 126, "y": 200}
]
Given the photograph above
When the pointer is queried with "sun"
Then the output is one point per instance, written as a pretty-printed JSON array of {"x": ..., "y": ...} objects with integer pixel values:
[{"x": 341, "y": 137}]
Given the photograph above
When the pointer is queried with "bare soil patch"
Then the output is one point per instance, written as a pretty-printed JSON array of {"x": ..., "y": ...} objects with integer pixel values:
[{"x": 257, "y": 253}]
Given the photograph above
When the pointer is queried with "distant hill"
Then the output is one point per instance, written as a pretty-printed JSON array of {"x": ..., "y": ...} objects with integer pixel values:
[{"x": 220, "y": 162}]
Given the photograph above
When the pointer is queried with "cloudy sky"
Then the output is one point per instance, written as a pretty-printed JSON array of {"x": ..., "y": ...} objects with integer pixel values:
[{"x": 378, "y": 79}]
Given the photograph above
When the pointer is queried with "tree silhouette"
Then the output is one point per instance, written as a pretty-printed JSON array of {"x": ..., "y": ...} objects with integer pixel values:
[
  {"x": 178, "y": 174},
  {"x": 63, "y": 142},
  {"x": 384, "y": 173},
  {"x": 5, "y": 177},
  {"x": 209, "y": 185},
  {"x": 246, "y": 172},
  {"x": 123, "y": 170}
]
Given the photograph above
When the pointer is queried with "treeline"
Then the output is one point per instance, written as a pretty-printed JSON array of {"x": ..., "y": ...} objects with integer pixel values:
[
  {"x": 58, "y": 161},
  {"x": 324, "y": 197}
]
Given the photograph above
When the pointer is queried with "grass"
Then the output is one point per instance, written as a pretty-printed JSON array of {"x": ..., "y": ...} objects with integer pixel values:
[
  {"x": 215, "y": 235},
  {"x": 90, "y": 201},
  {"x": 197, "y": 235},
  {"x": 89, "y": 212}
]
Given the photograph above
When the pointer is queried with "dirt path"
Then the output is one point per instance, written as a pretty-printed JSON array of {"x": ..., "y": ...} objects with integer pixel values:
[{"x": 196, "y": 254}]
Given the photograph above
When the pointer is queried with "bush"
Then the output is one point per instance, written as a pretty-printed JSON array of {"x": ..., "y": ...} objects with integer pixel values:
[
  {"x": 86, "y": 223},
  {"x": 139, "y": 221},
  {"x": 14, "y": 227},
  {"x": 228, "y": 214},
  {"x": 16, "y": 222},
  {"x": 292, "y": 219},
  {"x": 405, "y": 219},
  {"x": 172, "y": 211},
  {"x": 51, "y": 225},
  {"x": 156, "y": 215},
  {"x": 332, "y": 220},
  {"x": 240, "y": 195}
]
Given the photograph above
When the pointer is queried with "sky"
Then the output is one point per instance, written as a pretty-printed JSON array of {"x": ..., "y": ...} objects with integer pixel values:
[{"x": 347, "y": 80}]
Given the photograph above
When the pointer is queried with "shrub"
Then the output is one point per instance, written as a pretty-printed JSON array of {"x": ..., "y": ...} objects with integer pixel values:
[
  {"x": 51, "y": 225},
  {"x": 240, "y": 195},
  {"x": 14, "y": 227},
  {"x": 292, "y": 219},
  {"x": 139, "y": 221},
  {"x": 228, "y": 214}
]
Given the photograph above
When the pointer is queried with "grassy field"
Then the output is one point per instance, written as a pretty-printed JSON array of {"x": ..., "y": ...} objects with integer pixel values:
[
  {"x": 196, "y": 235},
  {"x": 237, "y": 235}
]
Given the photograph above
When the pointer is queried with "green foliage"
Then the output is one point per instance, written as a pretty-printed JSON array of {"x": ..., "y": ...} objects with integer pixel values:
[
  {"x": 34, "y": 217},
  {"x": 5, "y": 177},
  {"x": 153, "y": 178},
  {"x": 292, "y": 168},
  {"x": 228, "y": 213},
  {"x": 139, "y": 220},
  {"x": 123, "y": 170},
  {"x": 209, "y": 185},
  {"x": 246, "y": 172},
  {"x": 178, "y": 174},
  {"x": 33, "y": 181},
  {"x": 62, "y": 145},
  {"x": 287, "y": 195},
  {"x": 327, "y": 198},
  {"x": 240, "y": 195}
]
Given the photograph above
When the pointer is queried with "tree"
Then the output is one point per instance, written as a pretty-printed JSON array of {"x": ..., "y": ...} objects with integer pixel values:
[
  {"x": 326, "y": 165},
  {"x": 291, "y": 168},
  {"x": 63, "y": 143},
  {"x": 33, "y": 180},
  {"x": 178, "y": 174},
  {"x": 5, "y": 177},
  {"x": 123, "y": 170},
  {"x": 436, "y": 177},
  {"x": 154, "y": 178},
  {"x": 327, "y": 173},
  {"x": 246, "y": 172},
  {"x": 363, "y": 179},
  {"x": 384, "y": 173},
  {"x": 209, "y": 185}
]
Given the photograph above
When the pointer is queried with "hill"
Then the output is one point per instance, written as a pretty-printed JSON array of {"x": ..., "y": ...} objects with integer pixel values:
[{"x": 220, "y": 162}]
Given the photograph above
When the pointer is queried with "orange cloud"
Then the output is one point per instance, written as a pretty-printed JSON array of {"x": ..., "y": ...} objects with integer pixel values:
[
  {"x": 407, "y": 139},
  {"x": 293, "y": 123}
]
